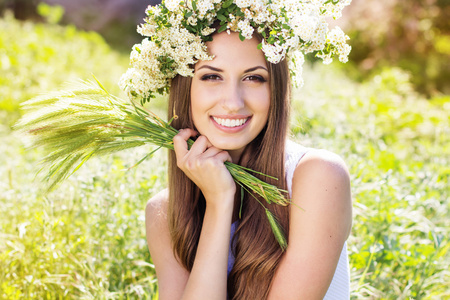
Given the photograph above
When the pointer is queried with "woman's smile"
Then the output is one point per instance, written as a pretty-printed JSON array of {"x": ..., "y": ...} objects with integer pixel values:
[{"x": 230, "y": 124}]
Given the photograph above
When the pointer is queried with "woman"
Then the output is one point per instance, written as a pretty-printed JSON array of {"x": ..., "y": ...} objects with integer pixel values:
[
  {"x": 237, "y": 105},
  {"x": 228, "y": 67}
]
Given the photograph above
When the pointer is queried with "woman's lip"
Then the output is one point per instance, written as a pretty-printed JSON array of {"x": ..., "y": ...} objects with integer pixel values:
[
  {"x": 231, "y": 129},
  {"x": 231, "y": 117}
]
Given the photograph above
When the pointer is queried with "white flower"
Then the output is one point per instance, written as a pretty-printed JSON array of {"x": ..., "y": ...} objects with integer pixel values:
[
  {"x": 305, "y": 26},
  {"x": 192, "y": 20},
  {"x": 295, "y": 62},
  {"x": 147, "y": 29},
  {"x": 203, "y": 6},
  {"x": 207, "y": 31},
  {"x": 172, "y": 5},
  {"x": 245, "y": 28},
  {"x": 274, "y": 53},
  {"x": 243, "y": 3}
]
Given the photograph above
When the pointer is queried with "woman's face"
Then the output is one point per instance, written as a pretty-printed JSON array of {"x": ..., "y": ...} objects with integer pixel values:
[{"x": 230, "y": 95}]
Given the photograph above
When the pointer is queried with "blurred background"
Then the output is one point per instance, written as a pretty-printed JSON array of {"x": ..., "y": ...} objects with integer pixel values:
[{"x": 386, "y": 112}]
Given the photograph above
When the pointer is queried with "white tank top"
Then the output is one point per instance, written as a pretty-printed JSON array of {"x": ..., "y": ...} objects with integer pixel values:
[{"x": 340, "y": 285}]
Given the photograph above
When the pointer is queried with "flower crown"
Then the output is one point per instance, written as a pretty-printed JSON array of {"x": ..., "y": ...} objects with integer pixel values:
[{"x": 177, "y": 30}]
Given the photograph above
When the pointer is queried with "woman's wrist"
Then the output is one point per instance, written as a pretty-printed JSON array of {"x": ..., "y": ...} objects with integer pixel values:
[{"x": 220, "y": 205}]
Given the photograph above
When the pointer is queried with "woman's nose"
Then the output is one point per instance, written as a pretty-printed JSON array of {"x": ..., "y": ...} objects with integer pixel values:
[{"x": 232, "y": 97}]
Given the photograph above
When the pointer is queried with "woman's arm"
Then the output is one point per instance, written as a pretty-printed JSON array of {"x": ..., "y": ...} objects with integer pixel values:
[
  {"x": 318, "y": 229},
  {"x": 172, "y": 277},
  {"x": 208, "y": 278},
  {"x": 203, "y": 164}
]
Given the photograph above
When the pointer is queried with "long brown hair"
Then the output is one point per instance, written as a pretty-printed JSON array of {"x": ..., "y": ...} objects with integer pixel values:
[{"x": 257, "y": 253}]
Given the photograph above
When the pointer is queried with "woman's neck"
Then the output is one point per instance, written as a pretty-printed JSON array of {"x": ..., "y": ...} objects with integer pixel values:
[{"x": 236, "y": 155}]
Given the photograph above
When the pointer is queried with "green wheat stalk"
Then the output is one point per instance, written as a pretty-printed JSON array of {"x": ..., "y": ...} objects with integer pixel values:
[
  {"x": 87, "y": 121},
  {"x": 277, "y": 230}
]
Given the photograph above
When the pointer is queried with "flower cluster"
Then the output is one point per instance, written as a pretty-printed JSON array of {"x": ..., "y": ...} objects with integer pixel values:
[{"x": 176, "y": 32}]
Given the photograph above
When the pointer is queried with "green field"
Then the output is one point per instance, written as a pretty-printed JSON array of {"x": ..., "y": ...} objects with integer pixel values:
[{"x": 87, "y": 240}]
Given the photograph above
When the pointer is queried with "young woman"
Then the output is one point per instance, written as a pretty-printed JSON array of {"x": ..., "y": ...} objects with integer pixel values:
[{"x": 236, "y": 108}]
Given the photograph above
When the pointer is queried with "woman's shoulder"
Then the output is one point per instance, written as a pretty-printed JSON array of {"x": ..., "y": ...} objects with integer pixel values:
[
  {"x": 317, "y": 160},
  {"x": 321, "y": 183},
  {"x": 156, "y": 209},
  {"x": 313, "y": 166},
  {"x": 324, "y": 161},
  {"x": 323, "y": 169},
  {"x": 321, "y": 177}
]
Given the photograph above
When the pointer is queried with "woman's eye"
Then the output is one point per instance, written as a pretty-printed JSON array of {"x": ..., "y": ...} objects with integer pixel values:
[
  {"x": 210, "y": 77},
  {"x": 256, "y": 78}
]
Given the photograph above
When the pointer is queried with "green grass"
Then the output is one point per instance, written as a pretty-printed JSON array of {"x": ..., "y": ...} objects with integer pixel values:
[{"x": 87, "y": 239}]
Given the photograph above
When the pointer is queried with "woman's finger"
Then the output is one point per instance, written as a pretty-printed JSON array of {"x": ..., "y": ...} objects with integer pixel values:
[
  {"x": 200, "y": 145},
  {"x": 180, "y": 141},
  {"x": 224, "y": 156},
  {"x": 211, "y": 152}
]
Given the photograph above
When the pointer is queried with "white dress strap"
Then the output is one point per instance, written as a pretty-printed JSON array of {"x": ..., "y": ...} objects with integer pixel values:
[{"x": 294, "y": 152}]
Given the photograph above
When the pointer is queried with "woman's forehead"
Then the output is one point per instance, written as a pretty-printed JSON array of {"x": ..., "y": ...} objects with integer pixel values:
[{"x": 228, "y": 49}]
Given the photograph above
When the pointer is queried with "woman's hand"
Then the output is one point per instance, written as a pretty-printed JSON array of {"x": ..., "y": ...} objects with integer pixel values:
[{"x": 204, "y": 165}]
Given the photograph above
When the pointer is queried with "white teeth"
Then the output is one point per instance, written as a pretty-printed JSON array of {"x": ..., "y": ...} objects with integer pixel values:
[{"x": 230, "y": 122}]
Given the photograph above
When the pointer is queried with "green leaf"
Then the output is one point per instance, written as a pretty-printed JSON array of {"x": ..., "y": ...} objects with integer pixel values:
[
  {"x": 222, "y": 11},
  {"x": 145, "y": 157},
  {"x": 241, "y": 37},
  {"x": 222, "y": 18},
  {"x": 83, "y": 161},
  {"x": 207, "y": 38},
  {"x": 189, "y": 27},
  {"x": 227, "y": 3},
  {"x": 239, "y": 13},
  {"x": 222, "y": 28}
]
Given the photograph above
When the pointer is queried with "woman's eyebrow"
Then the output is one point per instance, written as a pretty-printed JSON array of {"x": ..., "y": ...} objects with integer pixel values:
[
  {"x": 211, "y": 68},
  {"x": 255, "y": 68},
  {"x": 220, "y": 70}
]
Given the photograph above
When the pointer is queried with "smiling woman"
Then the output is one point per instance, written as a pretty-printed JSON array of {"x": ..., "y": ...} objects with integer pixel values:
[
  {"x": 208, "y": 239},
  {"x": 236, "y": 106}
]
